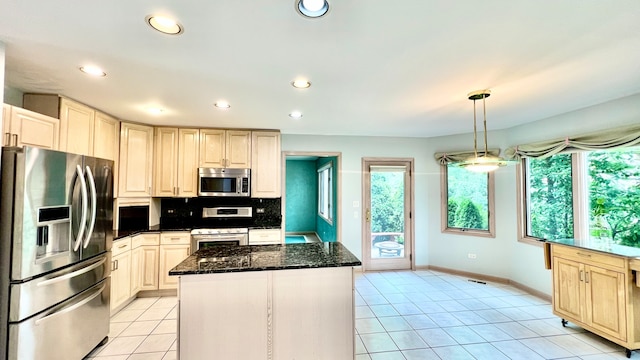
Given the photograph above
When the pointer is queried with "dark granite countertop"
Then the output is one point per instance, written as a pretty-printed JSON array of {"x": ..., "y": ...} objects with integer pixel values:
[
  {"x": 604, "y": 246},
  {"x": 266, "y": 257}
]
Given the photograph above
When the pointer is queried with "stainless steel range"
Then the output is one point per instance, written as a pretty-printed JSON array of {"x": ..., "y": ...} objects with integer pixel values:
[{"x": 208, "y": 237}]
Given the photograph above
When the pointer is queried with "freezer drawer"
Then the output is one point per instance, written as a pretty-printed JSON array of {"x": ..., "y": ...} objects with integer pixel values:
[
  {"x": 33, "y": 296},
  {"x": 68, "y": 331}
]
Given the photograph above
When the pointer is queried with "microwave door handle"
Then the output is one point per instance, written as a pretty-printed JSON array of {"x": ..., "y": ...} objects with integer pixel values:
[
  {"x": 83, "y": 217},
  {"x": 94, "y": 199}
]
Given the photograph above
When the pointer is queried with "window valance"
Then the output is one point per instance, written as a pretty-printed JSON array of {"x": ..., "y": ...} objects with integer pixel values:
[
  {"x": 444, "y": 158},
  {"x": 608, "y": 139}
]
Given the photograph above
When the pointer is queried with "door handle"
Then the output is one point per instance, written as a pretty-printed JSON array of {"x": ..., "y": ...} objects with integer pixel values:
[
  {"x": 15, "y": 139},
  {"x": 72, "y": 274},
  {"x": 94, "y": 213},
  {"x": 7, "y": 139},
  {"x": 586, "y": 277},
  {"x": 368, "y": 215},
  {"x": 72, "y": 307},
  {"x": 581, "y": 275},
  {"x": 83, "y": 217}
]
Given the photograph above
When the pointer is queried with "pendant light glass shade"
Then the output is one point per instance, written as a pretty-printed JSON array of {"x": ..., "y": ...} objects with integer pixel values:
[{"x": 483, "y": 162}]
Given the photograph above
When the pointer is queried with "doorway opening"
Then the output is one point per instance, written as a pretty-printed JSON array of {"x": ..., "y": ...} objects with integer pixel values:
[
  {"x": 311, "y": 196},
  {"x": 387, "y": 227}
]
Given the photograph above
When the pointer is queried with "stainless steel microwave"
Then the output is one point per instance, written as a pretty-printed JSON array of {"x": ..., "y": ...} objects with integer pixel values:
[{"x": 224, "y": 182}]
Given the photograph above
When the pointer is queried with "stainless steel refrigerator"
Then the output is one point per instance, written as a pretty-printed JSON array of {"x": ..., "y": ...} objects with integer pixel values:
[{"x": 55, "y": 241}]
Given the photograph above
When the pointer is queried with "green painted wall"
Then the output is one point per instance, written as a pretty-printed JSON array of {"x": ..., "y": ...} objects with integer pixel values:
[
  {"x": 325, "y": 230},
  {"x": 301, "y": 196}
]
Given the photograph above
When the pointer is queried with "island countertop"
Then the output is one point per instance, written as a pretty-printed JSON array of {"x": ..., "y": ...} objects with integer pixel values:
[
  {"x": 601, "y": 245},
  {"x": 222, "y": 259}
]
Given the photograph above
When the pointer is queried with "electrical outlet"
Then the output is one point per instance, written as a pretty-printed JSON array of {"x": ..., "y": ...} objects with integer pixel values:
[
  {"x": 260, "y": 210},
  {"x": 355, "y": 214},
  {"x": 471, "y": 256},
  {"x": 356, "y": 203}
]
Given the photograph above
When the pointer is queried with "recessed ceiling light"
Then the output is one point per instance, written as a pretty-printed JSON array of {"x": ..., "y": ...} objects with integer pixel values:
[
  {"x": 93, "y": 70},
  {"x": 222, "y": 104},
  {"x": 164, "y": 24},
  {"x": 312, "y": 8},
  {"x": 301, "y": 84},
  {"x": 295, "y": 115},
  {"x": 155, "y": 111}
]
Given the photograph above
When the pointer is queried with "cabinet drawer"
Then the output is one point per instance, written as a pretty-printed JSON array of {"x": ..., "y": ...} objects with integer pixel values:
[
  {"x": 120, "y": 246},
  {"x": 145, "y": 239},
  {"x": 175, "y": 238},
  {"x": 589, "y": 257},
  {"x": 264, "y": 236}
]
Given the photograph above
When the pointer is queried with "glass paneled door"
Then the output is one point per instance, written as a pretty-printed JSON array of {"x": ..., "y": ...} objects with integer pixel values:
[{"x": 387, "y": 228}]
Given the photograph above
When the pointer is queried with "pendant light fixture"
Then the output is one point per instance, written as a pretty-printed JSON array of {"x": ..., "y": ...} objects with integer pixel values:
[{"x": 482, "y": 162}]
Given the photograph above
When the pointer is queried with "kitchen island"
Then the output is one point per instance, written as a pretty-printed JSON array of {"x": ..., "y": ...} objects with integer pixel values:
[
  {"x": 596, "y": 286},
  {"x": 292, "y": 301}
]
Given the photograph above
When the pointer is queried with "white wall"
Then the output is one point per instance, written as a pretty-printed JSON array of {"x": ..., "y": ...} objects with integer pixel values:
[{"x": 502, "y": 256}]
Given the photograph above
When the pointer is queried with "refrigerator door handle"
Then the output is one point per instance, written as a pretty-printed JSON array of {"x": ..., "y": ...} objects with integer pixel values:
[
  {"x": 72, "y": 307},
  {"x": 94, "y": 200},
  {"x": 83, "y": 217},
  {"x": 72, "y": 274}
]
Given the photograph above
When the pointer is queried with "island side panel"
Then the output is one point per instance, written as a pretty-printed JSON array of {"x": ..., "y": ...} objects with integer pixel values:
[
  {"x": 313, "y": 314},
  {"x": 223, "y": 316}
]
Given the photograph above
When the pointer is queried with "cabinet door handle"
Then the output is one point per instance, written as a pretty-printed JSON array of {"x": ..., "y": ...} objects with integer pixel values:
[
  {"x": 122, "y": 246},
  {"x": 581, "y": 275},
  {"x": 15, "y": 139},
  {"x": 7, "y": 139},
  {"x": 583, "y": 254},
  {"x": 587, "y": 277}
]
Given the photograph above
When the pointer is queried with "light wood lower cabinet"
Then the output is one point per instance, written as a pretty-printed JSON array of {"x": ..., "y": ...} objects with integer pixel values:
[
  {"x": 120, "y": 272},
  {"x": 265, "y": 236},
  {"x": 174, "y": 248},
  {"x": 286, "y": 314},
  {"x": 144, "y": 262},
  {"x": 597, "y": 292}
]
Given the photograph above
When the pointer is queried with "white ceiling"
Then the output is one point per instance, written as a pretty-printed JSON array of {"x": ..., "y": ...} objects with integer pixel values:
[{"x": 388, "y": 68}]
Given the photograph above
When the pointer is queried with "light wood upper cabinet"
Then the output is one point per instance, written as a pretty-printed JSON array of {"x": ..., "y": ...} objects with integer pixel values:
[
  {"x": 77, "y": 124},
  {"x": 136, "y": 160},
  {"x": 225, "y": 148},
  {"x": 23, "y": 127},
  {"x": 6, "y": 120},
  {"x": 166, "y": 156},
  {"x": 106, "y": 138},
  {"x": 83, "y": 130},
  {"x": 266, "y": 160},
  {"x": 176, "y": 162}
]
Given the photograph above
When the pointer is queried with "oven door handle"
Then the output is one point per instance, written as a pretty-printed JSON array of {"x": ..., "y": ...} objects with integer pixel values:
[{"x": 215, "y": 238}]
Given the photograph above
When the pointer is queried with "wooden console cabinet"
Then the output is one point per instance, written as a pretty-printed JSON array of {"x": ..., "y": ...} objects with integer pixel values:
[{"x": 598, "y": 292}]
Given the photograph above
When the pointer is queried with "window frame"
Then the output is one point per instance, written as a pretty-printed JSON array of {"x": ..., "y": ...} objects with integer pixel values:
[
  {"x": 580, "y": 189},
  {"x": 328, "y": 197},
  {"x": 444, "y": 207}
]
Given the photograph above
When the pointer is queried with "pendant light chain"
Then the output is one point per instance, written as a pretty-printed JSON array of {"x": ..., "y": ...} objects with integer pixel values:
[
  {"x": 475, "y": 131},
  {"x": 484, "y": 108}
]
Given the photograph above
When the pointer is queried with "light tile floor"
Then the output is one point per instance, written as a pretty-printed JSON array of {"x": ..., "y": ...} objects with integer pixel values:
[{"x": 404, "y": 315}]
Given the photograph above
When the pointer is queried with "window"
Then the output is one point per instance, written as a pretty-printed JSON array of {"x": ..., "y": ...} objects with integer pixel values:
[
  {"x": 467, "y": 206},
  {"x": 549, "y": 197},
  {"x": 325, "y": 192},
  {"x": 587, "y": 195}
]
